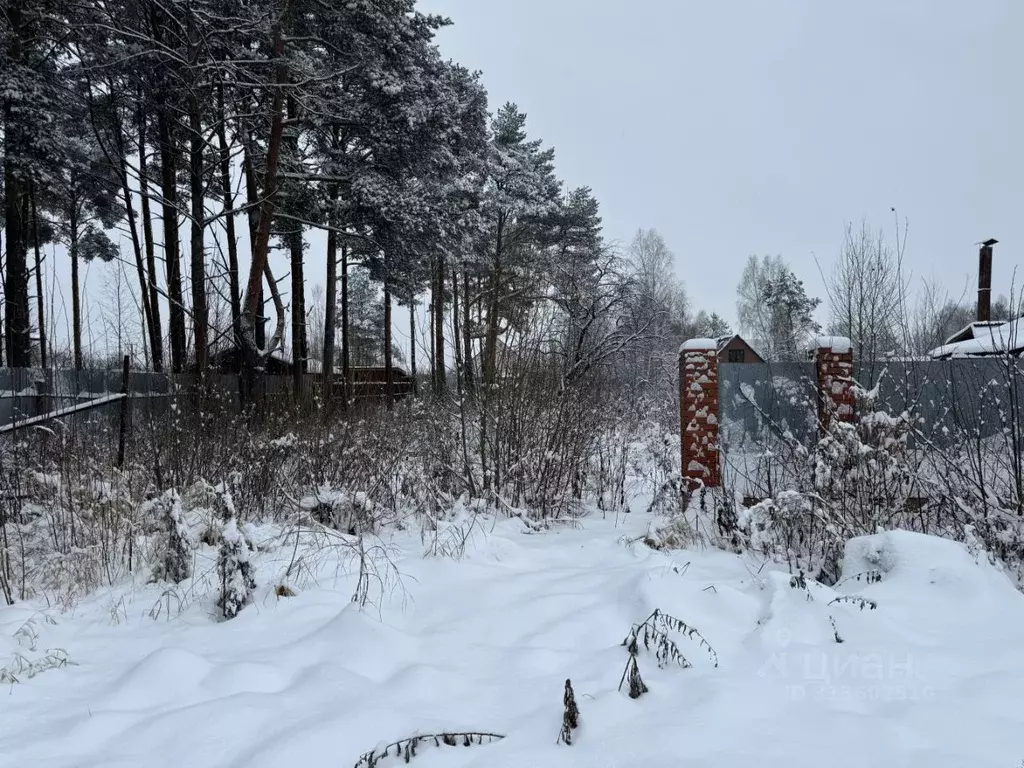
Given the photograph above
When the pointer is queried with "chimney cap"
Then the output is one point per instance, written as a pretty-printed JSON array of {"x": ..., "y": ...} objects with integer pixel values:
[{"x": 989, "y": 243}]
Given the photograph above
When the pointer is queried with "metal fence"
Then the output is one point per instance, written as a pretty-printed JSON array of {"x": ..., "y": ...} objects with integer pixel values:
[
  {"x": 758, "y": 401},
  {"x": 25, "y": 393},
  {"x": 948, "y": 401}
]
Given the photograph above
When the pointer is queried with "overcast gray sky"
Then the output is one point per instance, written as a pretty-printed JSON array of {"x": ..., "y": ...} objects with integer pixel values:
[
  {"x": 751, "y": 126},
  {"x": 739, "y": 127}
]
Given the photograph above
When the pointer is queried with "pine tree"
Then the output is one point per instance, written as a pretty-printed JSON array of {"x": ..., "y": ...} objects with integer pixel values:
[
  {"x": 175, "y": 550},
  {"x": 520, "y": 197},
  {"x": 31, "y": 41},
  {"x": 83, "y": 197},
  {"x": 774, "y": 307},
  {"x": 235, "y": 570}
]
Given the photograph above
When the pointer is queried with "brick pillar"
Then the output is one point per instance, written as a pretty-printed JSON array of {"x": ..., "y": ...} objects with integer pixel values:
[
  {"x": 833, "y": 361},
  {"x": 698, "y": 412}
]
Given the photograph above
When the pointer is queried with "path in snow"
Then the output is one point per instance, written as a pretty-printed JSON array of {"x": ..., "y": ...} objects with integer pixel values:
[{"x": 933, "y": 677}]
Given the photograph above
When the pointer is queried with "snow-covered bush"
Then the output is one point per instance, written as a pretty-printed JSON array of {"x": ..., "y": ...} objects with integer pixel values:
[
  {"x": 174, "y": 550},
  {"x": 351, "y": 513},
  {"x": 866, "y": 471},
  {"x": 235, "y": 570},
  {"x": 858, "y": 477},
  {"x": 797, "y": 529}
]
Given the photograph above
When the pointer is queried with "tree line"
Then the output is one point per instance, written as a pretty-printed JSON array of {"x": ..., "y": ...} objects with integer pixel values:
[
  {"x": 210, "y": 132},
  {"x": 192, "y": 126},
  {"x": 870, "y": 298}
]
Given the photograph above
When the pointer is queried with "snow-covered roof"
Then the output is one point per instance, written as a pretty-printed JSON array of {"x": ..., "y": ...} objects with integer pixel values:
[
  {"x": 1002, "y": 339},
  {"x": 973, "y": 330},
  {"x": 722, "y": 341},
  {"x": 694, "y": 345},
  {"x": 840, "y": 344}
]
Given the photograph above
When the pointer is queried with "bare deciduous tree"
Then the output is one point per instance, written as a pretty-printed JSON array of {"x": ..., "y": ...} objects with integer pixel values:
[{"x": 865, "y": 294}]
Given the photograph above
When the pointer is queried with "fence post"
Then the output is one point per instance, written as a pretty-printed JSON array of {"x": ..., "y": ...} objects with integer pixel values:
[
  {"x": 833, "y": 363},
  {"x": 698, "y": 412},
  {"x": 125, "y": 404}
]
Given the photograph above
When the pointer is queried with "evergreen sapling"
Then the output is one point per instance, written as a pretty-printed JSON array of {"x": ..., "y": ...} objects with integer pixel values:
[{"x": 235, "y": 570}]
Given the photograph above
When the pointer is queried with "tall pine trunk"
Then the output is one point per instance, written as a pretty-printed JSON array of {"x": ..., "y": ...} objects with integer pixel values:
[
  {"x": 412, "y": 341},
  {"x": 467, "y": 337},
  {"x": 431, "y": 334},
  {"x": 119, "y": 163},
  {"x": 261, "y": 244},
  {"x": 156, "y": 333},
  {"x": 330, "y": 310},
  {"x": 172, "y": 259},
  {"x": 41, "y": 316},
  {"x": 229, "y": 211},
  {"x": 493, "y": 311},
  {"x": 388, "y": 374},
  {"x": 456, "y": 330},
  {"x": 300, "y": 351},
  {"x": 298, "y": 312},
  {"x": 346, "y": 369},
  {"x": 440, "y": 378},
  {"x": 252, "y": 196},
  {"x": 140, "y": 268},
  {"x": 2, "y": 324},
  {"x": 16, "y": 304},
  {"x": 200, "y": 312},
  {"x": 76, "y": 298}
]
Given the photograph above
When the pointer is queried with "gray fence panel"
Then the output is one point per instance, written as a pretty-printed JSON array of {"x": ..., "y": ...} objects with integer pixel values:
[
  {"x": 760, "y": 400},
  {"x": 949, "y": 400},
  {"x": 31, "y": 392}
]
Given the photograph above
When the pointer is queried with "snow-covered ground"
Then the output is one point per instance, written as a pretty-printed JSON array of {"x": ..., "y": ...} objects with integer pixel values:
[{"x": 933, "y": 677}]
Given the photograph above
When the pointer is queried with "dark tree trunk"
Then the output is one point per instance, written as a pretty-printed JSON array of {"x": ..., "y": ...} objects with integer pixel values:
[
  {"x": 200, "y": 312},
  {"x": 298, "y": 312},
  {"x": 261, "y": 244},
  {"x": 300, "y": 351},
  {"x": 440, "y": 378},
  {"x": 346, "y": 371},
  {"x": 229, "y": 211},
  {"x": 140, "y": 268},
  {"x": 456, "y": 329},
  {"x": 119, "y": 162},
  {"x": 3, "y": 280},
  {"x": 493, "y": 311},
  {"x": 76, "y": 298},
  {"x": 467, "y": 337},
  {"x": 330, "y": 310},
  {"x": 430, "y": 334},
  {"x": 156, "y": 332},
  {"x": 172, "y": 259},
  {"x": 16, "y": 304},
  {"x": 252, "y": 196},
  {"x": 388, "y": 374},
  {"x": 412, "y": 341},
  {"x": 41, "y": 316}
]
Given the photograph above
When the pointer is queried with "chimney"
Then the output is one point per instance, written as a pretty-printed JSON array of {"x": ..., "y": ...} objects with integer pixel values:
[{"x": 985, "y": 281}]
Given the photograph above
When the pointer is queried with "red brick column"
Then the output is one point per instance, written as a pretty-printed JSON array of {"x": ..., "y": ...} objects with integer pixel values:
[
  {"x": 698, "y": 412},
  {"x": 833, "y": 361}
]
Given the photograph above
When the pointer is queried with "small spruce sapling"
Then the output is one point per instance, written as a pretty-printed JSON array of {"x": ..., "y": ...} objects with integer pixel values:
[
  {"x": 235, "y": 570},
  {"x": 175, "y": 550}
]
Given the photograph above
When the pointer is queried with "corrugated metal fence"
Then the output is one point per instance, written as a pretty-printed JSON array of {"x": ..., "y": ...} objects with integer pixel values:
[{"x": 948, "y": 401}]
